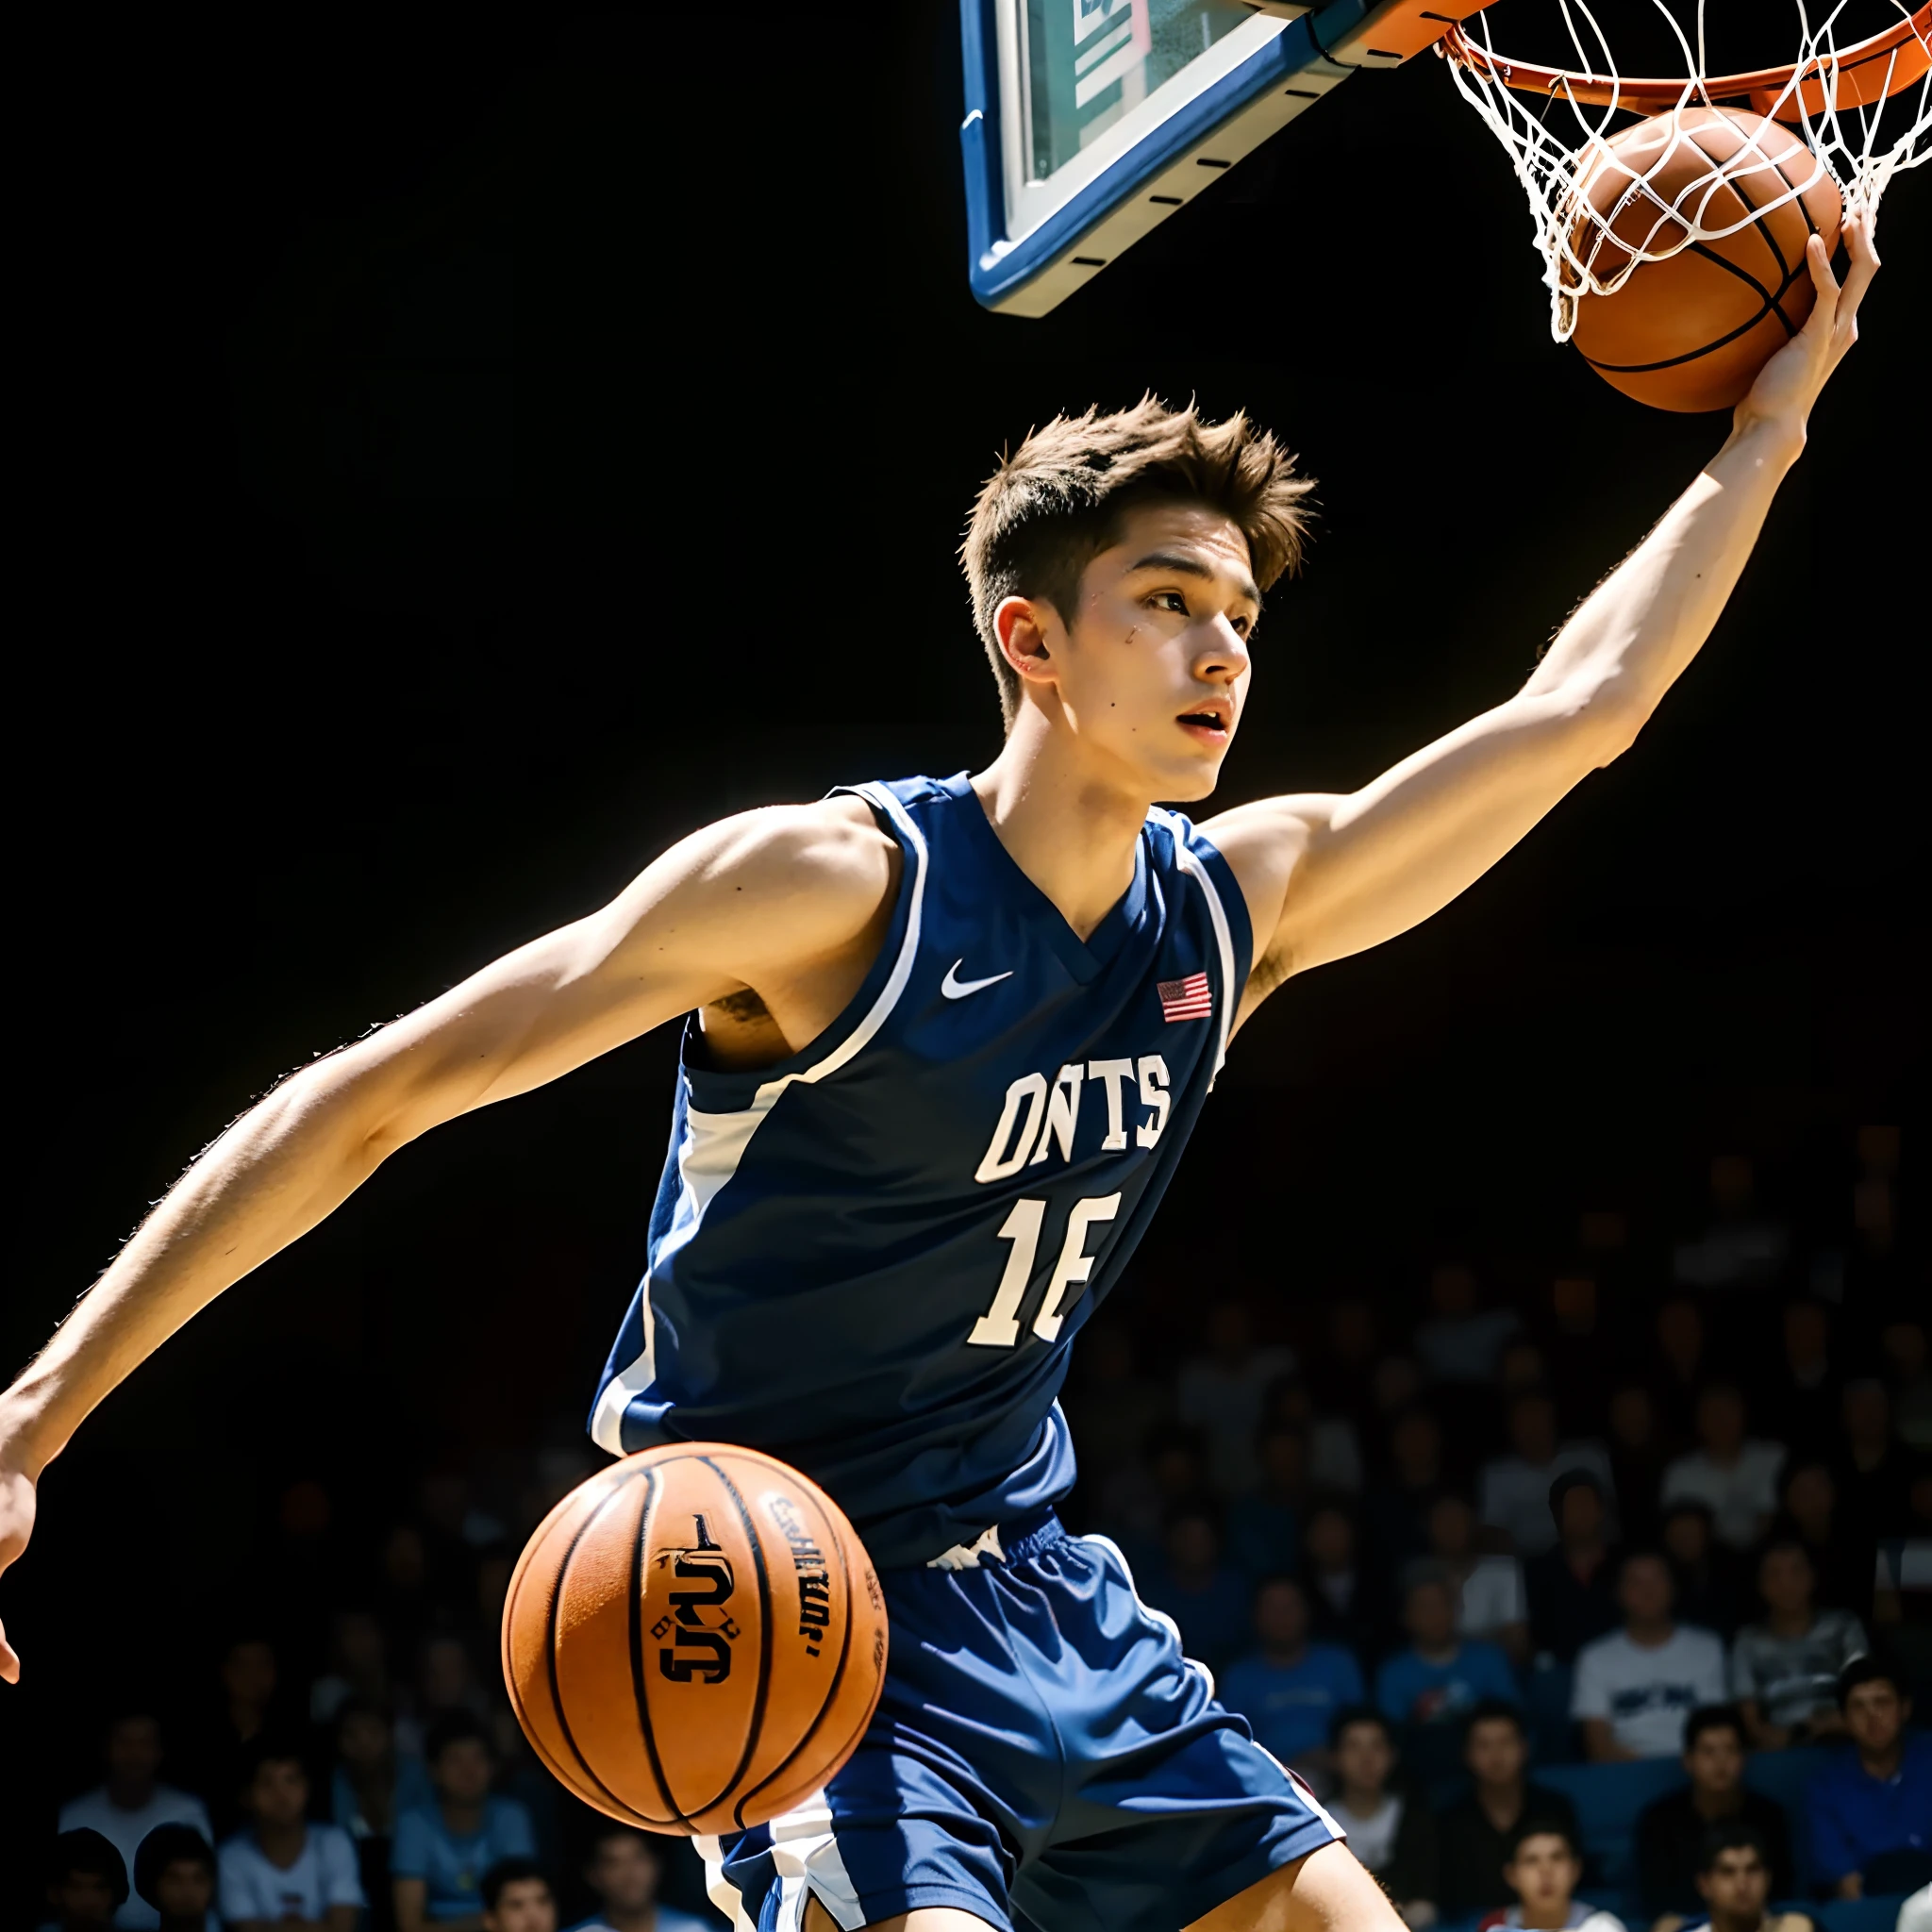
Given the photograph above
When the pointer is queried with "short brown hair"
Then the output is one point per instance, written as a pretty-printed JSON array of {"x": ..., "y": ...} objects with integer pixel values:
[{"x": 1054, "y": 504}]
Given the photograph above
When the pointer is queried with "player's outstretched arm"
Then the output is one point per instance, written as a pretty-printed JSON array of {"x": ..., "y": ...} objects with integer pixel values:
[
  {"x": 1328, "y": 876},
  {"x": 789, "y": 903}
]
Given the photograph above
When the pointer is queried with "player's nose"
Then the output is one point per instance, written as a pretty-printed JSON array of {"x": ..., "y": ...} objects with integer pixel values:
[{"x": 1224, "y": 655}]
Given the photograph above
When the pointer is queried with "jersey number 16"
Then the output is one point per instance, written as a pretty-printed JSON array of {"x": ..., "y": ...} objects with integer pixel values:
[{"x": 999, "y": 1327}]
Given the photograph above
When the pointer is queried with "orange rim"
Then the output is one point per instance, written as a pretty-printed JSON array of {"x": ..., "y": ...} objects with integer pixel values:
[{"x": 1867, "y": 72}]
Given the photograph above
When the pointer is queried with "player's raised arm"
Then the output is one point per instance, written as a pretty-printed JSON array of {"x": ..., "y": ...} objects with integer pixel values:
[
  {"x": 789, "y": 904},
  {"x": 1327, "y": 875}
]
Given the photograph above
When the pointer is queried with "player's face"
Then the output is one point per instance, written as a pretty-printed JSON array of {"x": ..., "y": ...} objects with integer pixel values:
[
  {"x": 1737, "y": 1884},
  {"x": 1152, "y": 671}
]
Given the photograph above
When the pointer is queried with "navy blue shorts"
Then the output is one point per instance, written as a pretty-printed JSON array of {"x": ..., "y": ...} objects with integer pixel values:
[{"x": 1043, "y": 1755}]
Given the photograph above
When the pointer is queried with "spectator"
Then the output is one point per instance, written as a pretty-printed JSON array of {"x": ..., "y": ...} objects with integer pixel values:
[
  {"x": 1842, "y": 1562},
  {"x": 1546, "y": 1865},
  {"x": 1671, "y": 1832},
  {"x": 1734, "y": 1882},
  {"x": 1429, "y": 1687},
  {"x": 1680, "y": 1345},
  {"x": 372, "y": 1784},
  {"x": 1515, "y": 1489},
  {"x": 517, "y": 1898},
  {"x": 1871, "y": 1807},
  {"x": 1905, "y": 1357},
  {"x": 1394, "y": 1837},
  {"x": 1340, "y": 1607},
  {"x": 1636, "y": 1686},
  {"x": 1571, "y": 1587},
  {"x": 1205, "y": 1595},
  {"x": 1140, "y": 1496},
  {"x": 245, "y": 1709},
  {"x": 1288, "y": 1689},
  {"x": 1804, "y": 1391},
  {"x": 1710, "y": 1591},
  {"x": 279, "y": 1867},
  {"x": 1876, "y": 1470},
  {"x": 1735, "y": 1476},
  {"x": 1264, "y": 1525},
  {"x": 87, "y": 1881},
  {"x": 1461, "y": 1341},
  {"x": 1397, "y": 1507},
  {"x": 1741, "y": 1247},
  {"x": 1113, "y": 1407},
  {"x": 1334, "y": 1454},
  {"x": 174, "y": 1875},
  {"x": 1472, "y": 1835},
  {"x": 1784, "y": 1671},
  {"x": 133, "y": 1802},
  {"x": 439, "y": 1848},
  {"x": 1221, "y": 1391},
  {"x": 359, "y": 1667},
  {"x": 625, "y": 1870},
  {"x": 1637, "y": 1459},
  {"x": 1489, "y": 1598}
]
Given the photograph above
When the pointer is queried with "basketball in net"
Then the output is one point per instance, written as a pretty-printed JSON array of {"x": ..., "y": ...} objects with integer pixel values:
[
  {"x": 1737, "y": 196},
  {"x": 695, "y": 1640}
]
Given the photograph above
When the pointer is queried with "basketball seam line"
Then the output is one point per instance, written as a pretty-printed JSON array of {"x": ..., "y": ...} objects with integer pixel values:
[
  {"x": 550, "y": 1652},
  {"x": 637, "y": 1664},
  {"x": 761, "y": 1696},
  {"x": 831, "y": 1695}
]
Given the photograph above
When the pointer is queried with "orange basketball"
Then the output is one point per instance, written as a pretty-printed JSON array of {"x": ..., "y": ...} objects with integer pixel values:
[
  {"x": 695, "y": 1640},
  {"x": 1693, "y": 332}
]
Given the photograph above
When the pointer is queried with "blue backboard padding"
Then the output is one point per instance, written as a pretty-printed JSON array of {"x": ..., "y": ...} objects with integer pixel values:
[{"x": 995, "y": 276}]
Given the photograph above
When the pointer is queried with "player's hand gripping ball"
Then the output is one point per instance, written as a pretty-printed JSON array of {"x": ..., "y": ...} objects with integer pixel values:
[{"x": 695, "y": 1640}]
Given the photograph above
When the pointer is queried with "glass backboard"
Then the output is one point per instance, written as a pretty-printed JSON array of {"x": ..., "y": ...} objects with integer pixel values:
[{"x": 1088, "y": 121}]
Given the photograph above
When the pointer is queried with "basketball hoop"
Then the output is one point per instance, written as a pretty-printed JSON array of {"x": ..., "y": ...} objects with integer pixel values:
[{"x": 1840, "y": 97}]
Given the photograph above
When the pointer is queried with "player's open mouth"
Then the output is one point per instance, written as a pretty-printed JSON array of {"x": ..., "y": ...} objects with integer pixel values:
[{"x": 1210, "y": 723}]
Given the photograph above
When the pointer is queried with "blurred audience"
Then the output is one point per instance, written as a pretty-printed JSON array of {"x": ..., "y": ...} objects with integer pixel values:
[
  {"x": 1289, "y": 1688},
  {"x": 1490, "y": 1600},
  {"x": 279, "y": 1866},
  {"x": 625, "y": 1870},
  {"x": 1461, "y": 1341},
  {"x": 517, "y": 1897},
  {"x": 1734, "y": 1882},
  {"x": 1543, "y": 1868},
  {"x": 1733, "y": 1475},
  {"x": 174, "y": 1876},
  {"x": 441, "y": 1849},
  {"x": 1785, "y": 1670},
  {"x": 1671, "y": 1831},
  {"x": 87, "y": 1881},
  {"x": 1474, "y": 1834},
  {"x": 1571, "y": 1587},
  {"x": 133, "y": 1802},
  {"x": 1264, "y": 1525},
  {"x": 1428, "y": 1688},
  {"x": 1203, "y": 1593},
  {"x": 1515, "y": 1489},
  {"x": 1871, "y": 1807},
  {"x": 1221, "y": 1392},
  {"x": 1636, "y": 1688},
  {"x": 1391, "y": 1832}
]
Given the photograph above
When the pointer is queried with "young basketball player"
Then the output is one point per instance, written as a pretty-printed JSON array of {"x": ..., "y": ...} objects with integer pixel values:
[{"x": 949, "y": 1038}]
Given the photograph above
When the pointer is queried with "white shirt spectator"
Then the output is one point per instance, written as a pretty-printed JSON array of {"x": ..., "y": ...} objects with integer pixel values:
[
  {"x": 1492, "y": 1597},
  {"x": 1463, "y": 1348},
  {"x": 1915, "y": 1915},
  {"x": 1515, "y": 1494},
  {"x": 1739, "y": 1497},
  {"x": 1646, "y": 1691},
  {"x": 1583, "y": 1918},
  {"x": 1372, "y": 1839},
  {"x": 125, "y": 1831},
  {"x": 324, "y": 1874},
  {"x": 1224, "y": 1401}
]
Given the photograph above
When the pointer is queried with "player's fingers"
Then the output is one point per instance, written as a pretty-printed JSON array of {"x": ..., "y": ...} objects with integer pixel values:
[
  {"x": 10, "y": 1660},
  {"x": 1864, "y": 258},
  {"x": 1818, "y": 260}
]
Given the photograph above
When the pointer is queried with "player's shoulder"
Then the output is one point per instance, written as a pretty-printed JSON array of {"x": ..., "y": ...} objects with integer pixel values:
[{"x": 832, "y": 850}]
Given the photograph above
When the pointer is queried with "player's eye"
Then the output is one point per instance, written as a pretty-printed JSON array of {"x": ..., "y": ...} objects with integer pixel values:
[{"x": 1170, "y": 600}]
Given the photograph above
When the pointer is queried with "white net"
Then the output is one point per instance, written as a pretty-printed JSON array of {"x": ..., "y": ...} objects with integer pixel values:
[{"x": 1855, "y": 107}]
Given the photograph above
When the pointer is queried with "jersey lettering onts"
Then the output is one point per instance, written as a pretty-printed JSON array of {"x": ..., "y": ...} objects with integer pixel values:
[{"x": 869, "y": 1259}]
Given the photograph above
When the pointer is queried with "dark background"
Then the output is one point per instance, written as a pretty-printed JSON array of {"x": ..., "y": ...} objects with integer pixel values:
[{"x": 458, "y": 456}]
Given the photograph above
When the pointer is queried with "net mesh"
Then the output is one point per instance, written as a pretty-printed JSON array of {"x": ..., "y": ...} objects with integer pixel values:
[{"x": 1861, "y": 130}]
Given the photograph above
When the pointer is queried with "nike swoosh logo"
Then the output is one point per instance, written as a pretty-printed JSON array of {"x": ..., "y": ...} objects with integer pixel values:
[{"x": 957, "y": 988}]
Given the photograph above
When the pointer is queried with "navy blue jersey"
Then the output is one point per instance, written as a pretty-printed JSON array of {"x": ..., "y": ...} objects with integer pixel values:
[{"x": 869, "y": 1259}]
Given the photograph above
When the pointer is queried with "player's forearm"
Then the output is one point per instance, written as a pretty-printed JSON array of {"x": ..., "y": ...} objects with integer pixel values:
[
  {"x": 1637, "y": 631},
  {"x": 278, "y": 1170}
]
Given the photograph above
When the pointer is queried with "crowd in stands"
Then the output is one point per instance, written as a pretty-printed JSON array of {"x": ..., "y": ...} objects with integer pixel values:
[{"x": 1585, "y": 1600}]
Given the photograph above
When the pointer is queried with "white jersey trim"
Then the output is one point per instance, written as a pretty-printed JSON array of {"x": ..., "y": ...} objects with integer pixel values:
[
  {"x": 714, "y": 1144},
  {"x": 719, "y": 1889}
]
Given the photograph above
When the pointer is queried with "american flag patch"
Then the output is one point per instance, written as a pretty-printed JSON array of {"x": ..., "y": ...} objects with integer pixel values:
[{"x": 1185, "y": 999}]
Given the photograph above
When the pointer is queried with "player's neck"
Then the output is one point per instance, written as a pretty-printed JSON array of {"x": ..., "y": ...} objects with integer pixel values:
[{"x": 1073, "y": 831}]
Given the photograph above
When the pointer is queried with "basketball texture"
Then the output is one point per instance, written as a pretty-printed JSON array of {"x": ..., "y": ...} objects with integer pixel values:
[
  {"x": 695, "y": 1640},
  {"x": 1691, "y": 332}
]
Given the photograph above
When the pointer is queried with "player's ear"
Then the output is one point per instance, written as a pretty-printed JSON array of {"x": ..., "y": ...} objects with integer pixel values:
[{"x": 1026, "y": 628}]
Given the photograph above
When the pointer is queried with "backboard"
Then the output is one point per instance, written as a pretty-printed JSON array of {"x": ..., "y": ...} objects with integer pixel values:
[{"x": 1088, "y": 121}]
